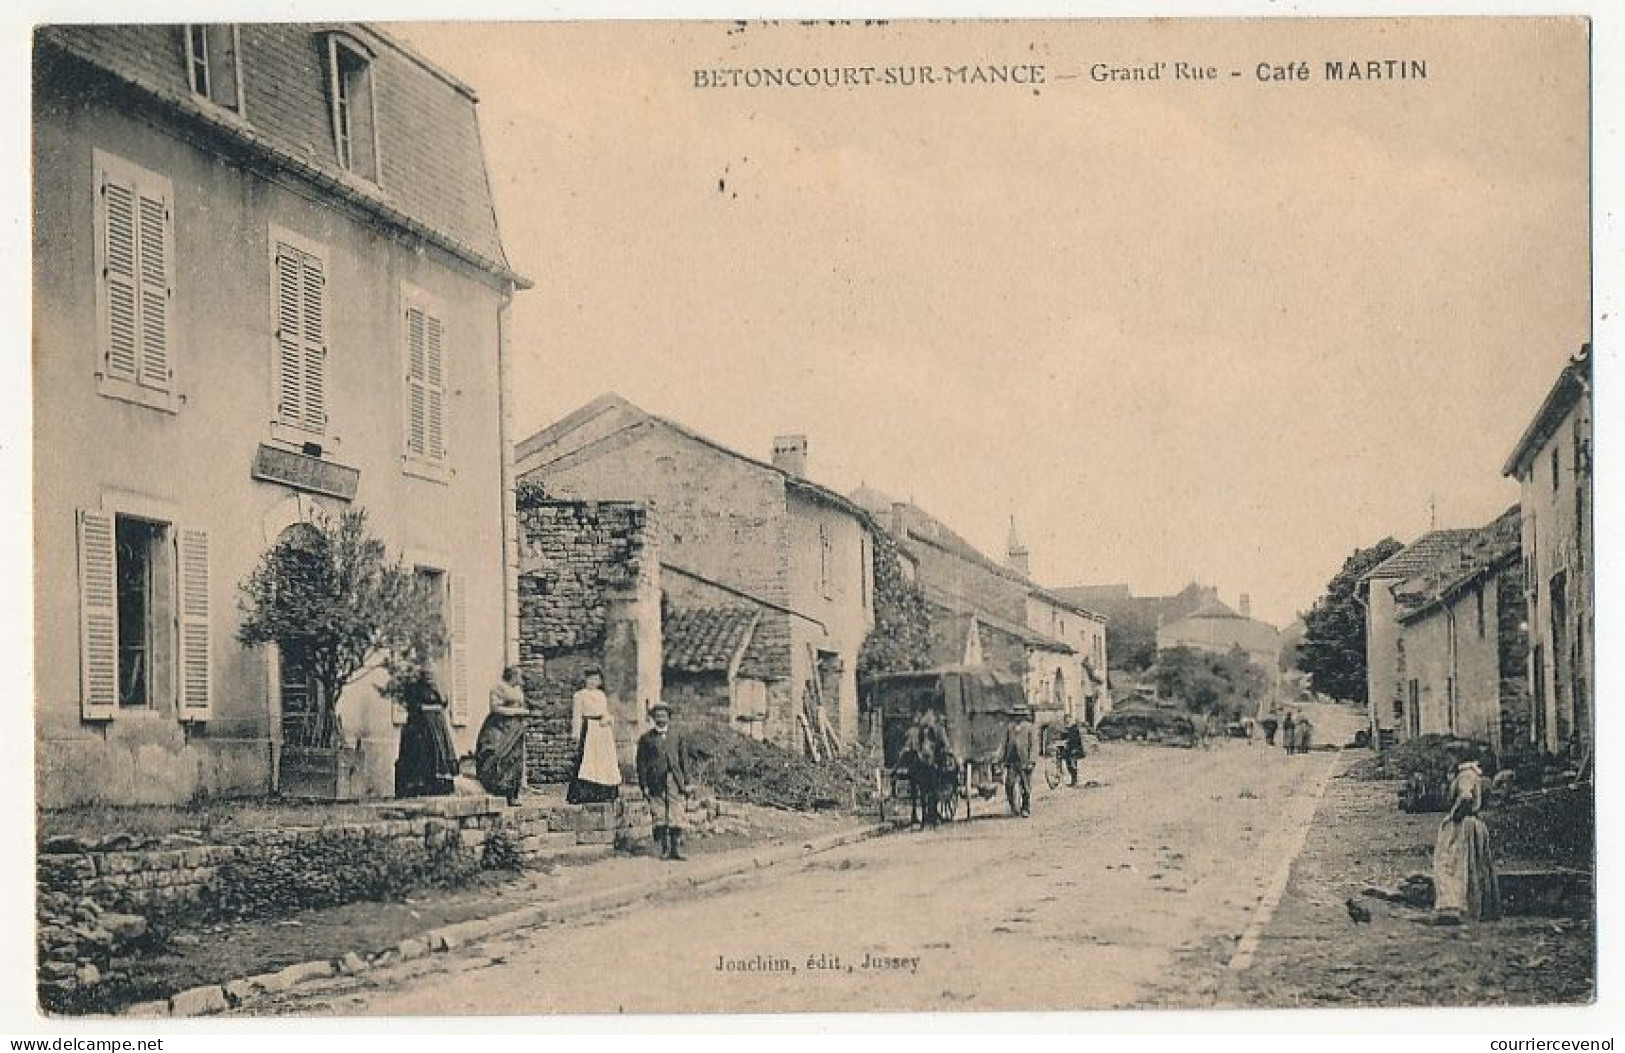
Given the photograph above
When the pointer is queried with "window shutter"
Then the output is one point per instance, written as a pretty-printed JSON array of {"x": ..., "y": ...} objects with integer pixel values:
[
  {"x": 459, "y": 651},
  {"x": 417, "y": 397},
  {"x": 435, "y": 385},
  {"x": 155, "y": 243},
  {"x": 289, "y": 338},
  {"x": 98, "y": 617},
  {"x": 119, "y": 277},
  {"x": 315, "y": 343},
  {"x": 196, "y": 696}
]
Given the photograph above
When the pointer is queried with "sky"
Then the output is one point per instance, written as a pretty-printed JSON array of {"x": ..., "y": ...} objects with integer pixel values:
[{"x": 1223, "y": 331}]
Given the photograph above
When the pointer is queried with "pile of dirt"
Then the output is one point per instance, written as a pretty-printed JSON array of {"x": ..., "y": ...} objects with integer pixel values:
[
  {"x": 1434, "y": 757},
  {"x": 737, "y": 768},
  {"x": 1555, "y": 826}
]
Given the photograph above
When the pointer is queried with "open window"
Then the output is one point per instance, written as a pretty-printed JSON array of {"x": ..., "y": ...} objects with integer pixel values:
[
  {"x": 144, "y": 616},
  {"x": 213, "y": 64},
  {"x": 355, "y": 112}
]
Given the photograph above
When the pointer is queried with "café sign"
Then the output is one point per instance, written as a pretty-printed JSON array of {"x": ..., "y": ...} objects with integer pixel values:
[{"x": 307, "y": 473}]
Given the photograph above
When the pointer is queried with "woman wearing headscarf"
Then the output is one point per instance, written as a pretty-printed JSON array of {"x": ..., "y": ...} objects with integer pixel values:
[
  {"x": 499, "y": 752},
  {"x": 598, "y": 769},
  {"x": 1465, "y": 886}
]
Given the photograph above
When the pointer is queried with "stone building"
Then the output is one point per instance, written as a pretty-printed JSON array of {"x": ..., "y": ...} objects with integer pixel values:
[
  {"x": 1552, "y": 463},
  {"x": 1388, "y": 709},
  {"x": 1460, "y": 642},
  {"x": 992, "y": 613},
  {"x": 734, "y": 531},
  {"x": 267, "y": 280},
  {"x": 1217, "y": 627}
]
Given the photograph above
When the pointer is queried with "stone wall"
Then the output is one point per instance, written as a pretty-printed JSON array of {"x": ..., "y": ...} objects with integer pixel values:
[
  {"x": 700, "y": 699},
  {"x": 587, "y": 597},
  {"x": 94, "y": 898},
  {"x": 1512, "y": 612}
]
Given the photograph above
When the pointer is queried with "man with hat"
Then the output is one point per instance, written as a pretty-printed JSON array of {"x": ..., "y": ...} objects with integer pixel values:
[
  {"x": 663, "y": 777},
  {"x": 1018, "y": 760}
]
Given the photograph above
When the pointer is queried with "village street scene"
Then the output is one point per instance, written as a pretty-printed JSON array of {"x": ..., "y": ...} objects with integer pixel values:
[{"x": 590, "y": 519}]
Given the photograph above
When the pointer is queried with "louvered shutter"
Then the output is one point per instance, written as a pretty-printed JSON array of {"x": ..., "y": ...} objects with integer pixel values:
[
  {"x": 196, "y": 694},
  {"x": 458, "y": 603},
  {"x": 435, "y": 388},
  {"x": 313, "y": 282},
  {"x": 417, "y": 398},
  {"x": 119, "y": 278},
  {"x": 98, "y": 617},
  {"x": 289, "y": 337},
  {"x": 155, "y": 250}
]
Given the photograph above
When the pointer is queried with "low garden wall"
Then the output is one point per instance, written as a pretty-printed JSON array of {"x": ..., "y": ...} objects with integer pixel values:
[{"x": 98, "y": 901}]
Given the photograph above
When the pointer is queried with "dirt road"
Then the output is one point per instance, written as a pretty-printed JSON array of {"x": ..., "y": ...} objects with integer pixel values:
[{"x": 1132, "y": 892}]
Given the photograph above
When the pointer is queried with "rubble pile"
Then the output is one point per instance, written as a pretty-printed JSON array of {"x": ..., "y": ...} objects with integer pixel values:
[
  {"x": 83, "y": 948},
  {"x": 738, "y": 768},
  {"x": 1554, "y": 826}
]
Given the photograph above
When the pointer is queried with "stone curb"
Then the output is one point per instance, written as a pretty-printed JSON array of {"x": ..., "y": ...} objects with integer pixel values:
[{"x": 209, "y": 999}]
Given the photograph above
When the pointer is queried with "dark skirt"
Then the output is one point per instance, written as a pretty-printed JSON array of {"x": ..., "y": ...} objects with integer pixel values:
[
  {"x": 499, "y": 755},
  {"x": 427, "y": 762}
]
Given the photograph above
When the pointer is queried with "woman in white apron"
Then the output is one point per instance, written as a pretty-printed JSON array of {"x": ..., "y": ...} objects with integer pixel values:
[{"x": 598, "y": 769}]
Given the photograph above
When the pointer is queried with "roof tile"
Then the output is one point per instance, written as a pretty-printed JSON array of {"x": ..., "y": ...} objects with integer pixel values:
[{"x": 706, "y": 639}]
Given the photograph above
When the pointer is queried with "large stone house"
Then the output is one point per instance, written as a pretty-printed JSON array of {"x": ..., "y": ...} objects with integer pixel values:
[
  {"x": 734, "y": 534},
  {"x": 1460, "y": 642},
  {"x": 267, "y": 281},
  {"x": 1552, "y": 463}
]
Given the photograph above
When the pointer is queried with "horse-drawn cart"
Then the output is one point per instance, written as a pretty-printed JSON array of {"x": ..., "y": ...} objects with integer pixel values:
[{"x": 973, "y": 707}]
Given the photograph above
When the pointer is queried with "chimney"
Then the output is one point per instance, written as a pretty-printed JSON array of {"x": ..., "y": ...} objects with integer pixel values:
[
  {"x": 1246, "y": 605},
  {"x": 1016, "y": 552},
  {"x": 790, "y": 455},
  {"x": 899, "y": 518}
]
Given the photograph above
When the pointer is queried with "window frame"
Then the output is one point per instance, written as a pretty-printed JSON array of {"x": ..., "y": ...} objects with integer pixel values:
[
  {"x": 209, "y": 92},
  {"x": 344, "y": 46},
  {"x": 144, "y": 185},
  {"x": 179, "y": 606}
]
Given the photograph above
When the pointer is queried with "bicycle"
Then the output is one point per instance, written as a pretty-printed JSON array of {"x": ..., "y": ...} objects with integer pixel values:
[{"x": 1055, "y": 770}]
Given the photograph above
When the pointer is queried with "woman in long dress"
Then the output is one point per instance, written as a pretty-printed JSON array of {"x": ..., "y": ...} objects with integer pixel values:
[
  {"x": 598, "y": 769},
  {"x": 427, "y": 763},
  {"x": 1464, "y": 881},
  {"x": 499, "y": 752}
]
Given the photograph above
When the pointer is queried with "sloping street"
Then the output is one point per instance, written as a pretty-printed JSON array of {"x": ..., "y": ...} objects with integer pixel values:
[{"x": 1132, "y": 890}]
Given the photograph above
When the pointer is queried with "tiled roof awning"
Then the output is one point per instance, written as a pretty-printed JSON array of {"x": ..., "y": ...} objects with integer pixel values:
[{"x": 706, "y": 639}]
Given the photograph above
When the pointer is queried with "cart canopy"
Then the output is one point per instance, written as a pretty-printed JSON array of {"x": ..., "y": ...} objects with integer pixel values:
[{"x": 975, "y": 705}]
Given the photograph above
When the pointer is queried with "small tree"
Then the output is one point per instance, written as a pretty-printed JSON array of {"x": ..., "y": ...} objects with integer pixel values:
[
  {"x": 336, "y": 607},
  {"x": 1224, "y": 685}
]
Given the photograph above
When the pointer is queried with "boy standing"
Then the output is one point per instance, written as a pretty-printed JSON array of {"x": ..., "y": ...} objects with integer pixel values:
[{"x": 663, "y": 777}]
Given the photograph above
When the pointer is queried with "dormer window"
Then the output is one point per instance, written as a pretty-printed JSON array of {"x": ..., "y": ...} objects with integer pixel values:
[
  {"x": 355, "y": 136},
  {"x": 212, "y": 66}
]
